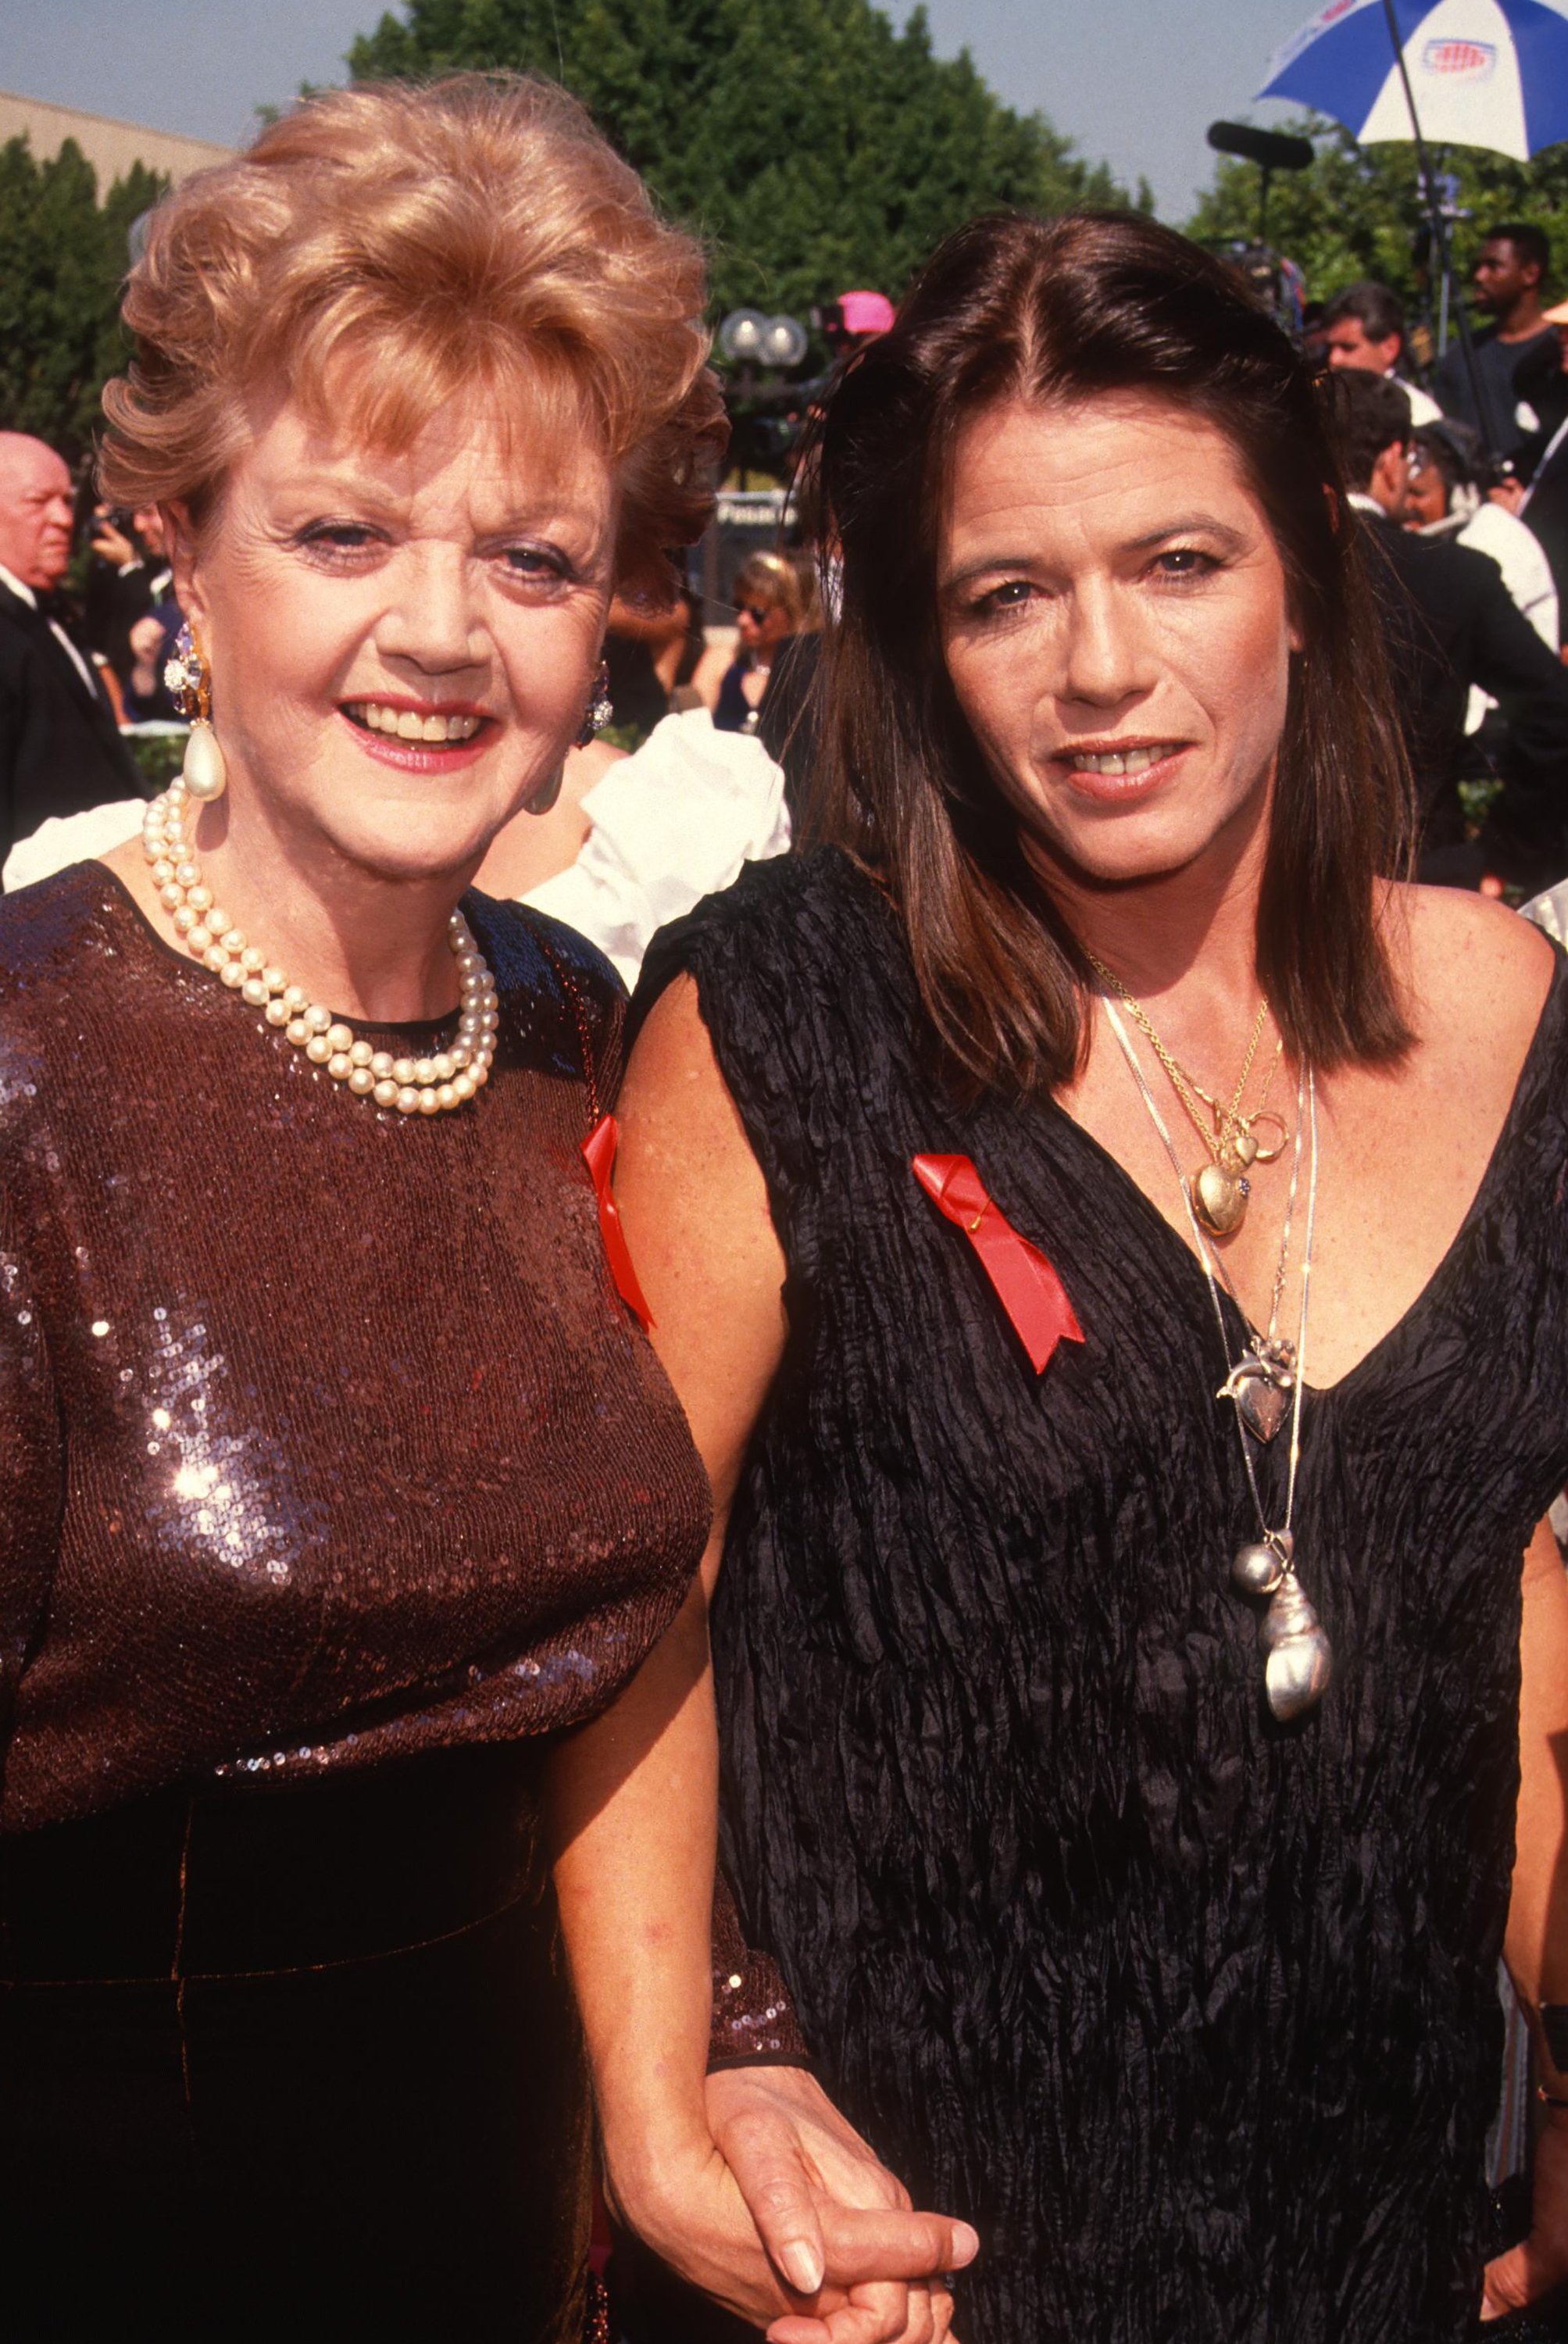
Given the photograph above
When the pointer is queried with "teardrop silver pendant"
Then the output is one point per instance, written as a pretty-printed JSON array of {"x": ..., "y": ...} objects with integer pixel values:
[
  {"x": 1300, "y": 1659},
  {"x": 1289, "y": 1613}
]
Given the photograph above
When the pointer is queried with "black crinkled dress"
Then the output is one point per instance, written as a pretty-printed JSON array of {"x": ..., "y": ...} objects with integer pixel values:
[{"x": 1193, "y": 2014}]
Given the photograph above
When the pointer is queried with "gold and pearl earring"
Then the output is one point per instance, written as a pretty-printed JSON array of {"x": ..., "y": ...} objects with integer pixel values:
[{"x": 206, "y": 775}]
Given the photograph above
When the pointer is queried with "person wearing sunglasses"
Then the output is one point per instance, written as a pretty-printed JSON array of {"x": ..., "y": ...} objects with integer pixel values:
[{"x": 769, "y": 608}]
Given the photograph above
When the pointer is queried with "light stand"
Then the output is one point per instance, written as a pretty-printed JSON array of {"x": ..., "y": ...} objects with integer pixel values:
[{"x": 1438, "y": 226}]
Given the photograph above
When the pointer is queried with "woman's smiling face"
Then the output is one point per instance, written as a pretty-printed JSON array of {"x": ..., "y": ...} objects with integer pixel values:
[
  {"x": 1115, "y": 621},
  {"x": 345, "y": 598}
]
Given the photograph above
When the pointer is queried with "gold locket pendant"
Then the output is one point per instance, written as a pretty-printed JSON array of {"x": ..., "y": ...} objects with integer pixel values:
[{"x": 1219, "y": 1198}]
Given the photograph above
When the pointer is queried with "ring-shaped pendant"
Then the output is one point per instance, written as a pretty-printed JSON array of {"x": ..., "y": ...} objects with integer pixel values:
[{"x": 1270, "y": 1155}]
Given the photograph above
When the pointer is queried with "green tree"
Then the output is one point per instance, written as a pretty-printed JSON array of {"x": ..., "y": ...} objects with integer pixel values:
[
  {"x": 63, "y": 258},
  {"x": 812, "y": 144},
  {"x": 1356, "y": 211}
]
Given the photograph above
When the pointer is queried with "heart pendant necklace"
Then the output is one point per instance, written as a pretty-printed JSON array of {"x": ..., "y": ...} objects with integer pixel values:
[
  {"x": 1218, "y": 1191},
  {"x": 1263, "y": 1378},
  {"x": 1298, "y": 1660}
]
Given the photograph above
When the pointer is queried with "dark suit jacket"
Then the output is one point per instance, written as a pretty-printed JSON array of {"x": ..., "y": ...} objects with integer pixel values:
[
  {"x": 1450, "y": 622},
  {"x": 113, "y": 602},
  {"x": 60, "y": 752},
  {"x": 1547, "y": 515}
]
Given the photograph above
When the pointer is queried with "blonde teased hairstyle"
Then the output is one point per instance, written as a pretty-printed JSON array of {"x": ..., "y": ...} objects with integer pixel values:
[
  {"x": 380, "y": 251},
  {"x": 771, "y": 578}
]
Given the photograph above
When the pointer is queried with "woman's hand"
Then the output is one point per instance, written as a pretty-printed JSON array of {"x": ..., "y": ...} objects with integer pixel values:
[
  {"x": 875, "y": 2261},
  {"x": 1540, "y": 2263},
  {"x": 824, "y": 2203}
]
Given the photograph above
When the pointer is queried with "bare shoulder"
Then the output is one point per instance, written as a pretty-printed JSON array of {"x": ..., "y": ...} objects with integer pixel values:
[
  {"x": 683, "y": 1139},
  {"x": 695, "y": 1208},
  {"x": 672, "y": 1072},
  {"x": 1476, "y": 976}
]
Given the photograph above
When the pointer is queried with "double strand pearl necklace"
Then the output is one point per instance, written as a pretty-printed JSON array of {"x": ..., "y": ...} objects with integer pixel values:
[{"x": 412, "y": 1085}]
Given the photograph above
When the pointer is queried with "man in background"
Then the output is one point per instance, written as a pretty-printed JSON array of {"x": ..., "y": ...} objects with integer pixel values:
[
  {"x": 129, "y": 579},
  {"x": 60, "y": 750},
  {"x": 1540, "y": 495},
  {"x": 1509, "y": 277},
  {"x": 1364, "y": 328},
  {"x": 1449, "y": 623}
]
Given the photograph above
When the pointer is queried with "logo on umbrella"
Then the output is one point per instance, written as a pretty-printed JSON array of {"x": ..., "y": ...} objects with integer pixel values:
[{"x": 1461, "y": 60}]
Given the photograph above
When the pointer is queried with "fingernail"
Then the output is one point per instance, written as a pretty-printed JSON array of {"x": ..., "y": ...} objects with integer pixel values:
[
  {"x": 802, "y": 2266},
  {"x": 965, "y": 2244}
]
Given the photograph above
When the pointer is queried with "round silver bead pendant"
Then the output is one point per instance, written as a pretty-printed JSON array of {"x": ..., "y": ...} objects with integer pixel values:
[{"x": 1259, "y": 1568}]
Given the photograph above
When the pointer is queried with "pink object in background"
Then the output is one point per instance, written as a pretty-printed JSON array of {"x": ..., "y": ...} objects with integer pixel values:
[{"x": 866, "y": 313}]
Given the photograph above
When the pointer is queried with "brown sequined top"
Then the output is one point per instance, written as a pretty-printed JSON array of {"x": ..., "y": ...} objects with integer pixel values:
[{"x": 324, "y": 1436}]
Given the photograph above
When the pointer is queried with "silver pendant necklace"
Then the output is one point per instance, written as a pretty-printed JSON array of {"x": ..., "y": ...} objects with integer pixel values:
[{"x": 1299, "y": 1661}]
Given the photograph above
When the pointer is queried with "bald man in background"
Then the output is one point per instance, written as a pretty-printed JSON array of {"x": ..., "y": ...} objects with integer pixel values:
[{"x": 60, "y": 749}]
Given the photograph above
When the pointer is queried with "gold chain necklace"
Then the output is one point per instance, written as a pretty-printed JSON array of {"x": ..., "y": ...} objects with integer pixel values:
[
  {"x": 1300, "y": 1661},
  {"x": 1221, "y": 1189},
  {"x": 1240, "y": 1131}
]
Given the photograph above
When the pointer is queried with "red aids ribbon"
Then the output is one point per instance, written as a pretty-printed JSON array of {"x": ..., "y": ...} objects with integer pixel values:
[
  {"x": 1027, "y": 1288},
  {"x": 599, "y": 1155}
]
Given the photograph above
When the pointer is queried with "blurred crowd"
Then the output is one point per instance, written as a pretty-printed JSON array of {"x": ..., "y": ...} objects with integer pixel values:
[
  {"x": 1462, "y": 484},
  {"x": 1459, "y": 479}
]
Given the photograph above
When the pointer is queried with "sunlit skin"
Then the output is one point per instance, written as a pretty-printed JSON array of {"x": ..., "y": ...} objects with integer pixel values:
[
  {"x": 1426, "y": 496},
  {"x": 1106, "y": 581},
  {"x": 1510, "y": 287},
  {"x": 535, "y": 847},
  {"x": 760, "y": 637},
  {"x": 1346, "y": 344},
  {"x": 465, "y": 575},
  {"x": 35, "y": 512}
]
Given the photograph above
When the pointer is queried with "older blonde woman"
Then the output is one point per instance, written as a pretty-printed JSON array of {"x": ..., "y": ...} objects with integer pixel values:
[{"x": 338, "y": 1482}]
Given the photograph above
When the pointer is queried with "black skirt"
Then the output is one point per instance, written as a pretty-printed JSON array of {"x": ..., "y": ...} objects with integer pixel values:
[{"x": 303, "y": 2060}]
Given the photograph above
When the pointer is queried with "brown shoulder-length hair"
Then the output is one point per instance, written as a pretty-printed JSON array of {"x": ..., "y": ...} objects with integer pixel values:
[{"x": 1052, "y": 312}]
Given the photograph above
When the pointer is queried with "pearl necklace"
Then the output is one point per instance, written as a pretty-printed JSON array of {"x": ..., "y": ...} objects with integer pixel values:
[{"x": 412, "y": 1085}]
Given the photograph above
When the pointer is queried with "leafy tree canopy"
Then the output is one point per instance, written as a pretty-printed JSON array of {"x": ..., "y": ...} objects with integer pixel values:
[
  {"x": 63, "y": 257},
  {"x": 1356, "y": 211},
  {"x": 812, "y": 145}
]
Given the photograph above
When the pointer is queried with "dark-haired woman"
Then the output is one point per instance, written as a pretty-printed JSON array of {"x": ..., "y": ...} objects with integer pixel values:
[{"x": 1109, "y": 1237}]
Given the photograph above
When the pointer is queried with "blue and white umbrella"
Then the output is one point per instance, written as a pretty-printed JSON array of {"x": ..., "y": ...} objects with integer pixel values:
[{"x": 1483, "y": 73}]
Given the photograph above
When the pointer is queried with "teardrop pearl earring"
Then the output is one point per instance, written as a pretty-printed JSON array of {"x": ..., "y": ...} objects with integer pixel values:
[{"x": 205, "y": 773}]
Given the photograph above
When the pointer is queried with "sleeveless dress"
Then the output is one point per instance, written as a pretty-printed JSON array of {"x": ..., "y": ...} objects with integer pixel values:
[{"x": 1192, "y": 2014}]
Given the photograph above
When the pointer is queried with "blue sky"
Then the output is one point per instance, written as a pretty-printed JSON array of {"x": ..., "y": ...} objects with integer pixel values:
[{"x": 1136, "y": 81}]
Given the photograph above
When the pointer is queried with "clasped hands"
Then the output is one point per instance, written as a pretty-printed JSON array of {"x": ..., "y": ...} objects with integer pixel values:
[
  {"x": 781, "y": 2212},
  {"x": 1540, "y": 2265}
]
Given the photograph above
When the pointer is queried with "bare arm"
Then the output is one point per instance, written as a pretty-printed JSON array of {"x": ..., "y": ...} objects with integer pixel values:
[
  {"x": 710, "y": 673},
  {"x": 1536, "y": 1948},
  {"x": 635, "y": 1795}
]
